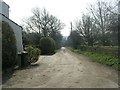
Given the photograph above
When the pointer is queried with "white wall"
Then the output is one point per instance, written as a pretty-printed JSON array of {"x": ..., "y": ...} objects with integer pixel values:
[
  {"x": 18, "y": 32},
  {"x": 5, "y": 9},
  {"x": 0, "y": 7},
  {"x": 0, "y": 50}
]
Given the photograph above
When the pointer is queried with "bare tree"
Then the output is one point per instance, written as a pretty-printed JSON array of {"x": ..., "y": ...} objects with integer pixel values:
[
  {"x": 99, "y": 26},
  {"x": 101, "y": 16},
  {"x": 43, "y": 23},
  {"x": 87, "y": 29}
]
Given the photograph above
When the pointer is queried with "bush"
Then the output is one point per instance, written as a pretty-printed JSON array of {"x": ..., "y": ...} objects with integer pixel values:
[
  {"x": 9, "y": 48},
  {"x": 47, "y": 45},
  {"x": 33, "y": 54}
]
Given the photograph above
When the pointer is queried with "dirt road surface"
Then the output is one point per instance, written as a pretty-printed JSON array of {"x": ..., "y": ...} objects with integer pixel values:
[{"x": 64, "y": 69}]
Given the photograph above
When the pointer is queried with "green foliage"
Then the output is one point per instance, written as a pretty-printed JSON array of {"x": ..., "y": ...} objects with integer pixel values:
[
  {"x": 58, "y": 38},
  {"x": 74, "y": 40},
  {"x": 47, "y": 45},
  {"x": 107, "y": 50},
  {"x": 33, "y": 53},
  {"x": 102, "y": 58},
  {"x": 99, "y": 29},
  {"x": 9, "y": 49},
  {"x": 105, "y": 59},
  {"x": 31, "y": 38}
]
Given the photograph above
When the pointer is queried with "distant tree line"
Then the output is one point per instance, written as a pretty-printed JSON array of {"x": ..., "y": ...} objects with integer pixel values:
[
  {"x": 41, "y": 24},
  {"x": 97, "y": 27}
]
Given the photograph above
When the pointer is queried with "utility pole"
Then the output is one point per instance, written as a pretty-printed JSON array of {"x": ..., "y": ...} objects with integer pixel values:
[
  {"x": 119, "y": 32},
  {"x": 119, "y": 26},
  {"x": 71, "y": 26}
]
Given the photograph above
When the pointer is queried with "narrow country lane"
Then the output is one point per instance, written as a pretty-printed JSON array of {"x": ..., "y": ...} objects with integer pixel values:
[{"x": 64, "y": 69}]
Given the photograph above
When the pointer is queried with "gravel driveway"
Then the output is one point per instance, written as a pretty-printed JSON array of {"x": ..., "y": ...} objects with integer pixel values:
[{"x": 64, "y": 69}]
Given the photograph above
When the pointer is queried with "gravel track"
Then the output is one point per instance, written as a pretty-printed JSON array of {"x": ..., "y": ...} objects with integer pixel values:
[{"x": 64, "y": 69}]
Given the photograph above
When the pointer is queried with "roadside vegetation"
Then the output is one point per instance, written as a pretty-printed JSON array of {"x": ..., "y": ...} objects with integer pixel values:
[
  {"x": 95, "y": 34},
  {"x": 42, "y": 30},
  {"x": 41, "y": 34},
  {"x": 9, "y": 48},
  {"x": 33, "y": 54},
  {"x": 101, "y": 58},
  {"x": 47, "y": 46}
]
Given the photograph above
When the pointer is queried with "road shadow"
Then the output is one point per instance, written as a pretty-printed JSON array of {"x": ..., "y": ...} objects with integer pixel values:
[
  {"x": 6, "y": 76},
  {"x": 49, "y": 54},
  {"x": 31, "y": 66},
  {"x": 35, "y": 65}
]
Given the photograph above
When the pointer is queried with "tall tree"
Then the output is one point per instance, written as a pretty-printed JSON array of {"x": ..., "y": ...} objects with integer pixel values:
[
  {"x": 87, "y": 30},
  {"x": 102, "y": 16},
  {"x": 74, "y": 39},
  {"x": 44, "y": 24}
]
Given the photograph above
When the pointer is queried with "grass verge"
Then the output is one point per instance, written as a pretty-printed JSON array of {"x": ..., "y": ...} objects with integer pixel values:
[{"x": 102, "y": 58}]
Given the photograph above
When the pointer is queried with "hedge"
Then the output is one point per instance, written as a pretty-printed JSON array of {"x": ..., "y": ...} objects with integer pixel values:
[
  {"x": 47, "y": 45},
  {"x": 9, "y": 48}
]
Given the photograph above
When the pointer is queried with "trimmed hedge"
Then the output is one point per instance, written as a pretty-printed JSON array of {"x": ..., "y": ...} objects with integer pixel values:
[
  {"x": 9, "y": 48},
  {"x": 33, "y": 54},
  {"x": 47, "y": 45}
]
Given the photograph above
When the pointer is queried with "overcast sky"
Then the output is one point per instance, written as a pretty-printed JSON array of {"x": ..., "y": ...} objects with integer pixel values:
[{"x": 65, "y": 10}]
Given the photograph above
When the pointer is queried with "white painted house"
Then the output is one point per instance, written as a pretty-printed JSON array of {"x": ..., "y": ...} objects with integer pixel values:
[{"x": 4, "y": 13}]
